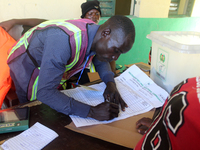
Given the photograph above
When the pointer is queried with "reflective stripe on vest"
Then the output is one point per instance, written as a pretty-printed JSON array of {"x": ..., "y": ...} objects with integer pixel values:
[
  {"x": 92, "y": 68},
  {"x": 63, "y": 83},
  {"x": 34, "y": 89},
  {"x": 77, "y": 36},
  {"x": 70, "y": 27}
]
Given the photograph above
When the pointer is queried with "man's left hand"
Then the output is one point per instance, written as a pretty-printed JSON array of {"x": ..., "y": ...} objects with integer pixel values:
[{"x": 111, "y": 94}]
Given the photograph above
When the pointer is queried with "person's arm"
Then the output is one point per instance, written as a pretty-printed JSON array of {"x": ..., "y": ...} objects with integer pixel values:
[
  {"x": 55, "y": 56},
  {"x": 104, "y": 70},
  {"x": 55, "y": 53},
  {"x": 113, "y": 66},
  {"x": 7, "y": 25}
]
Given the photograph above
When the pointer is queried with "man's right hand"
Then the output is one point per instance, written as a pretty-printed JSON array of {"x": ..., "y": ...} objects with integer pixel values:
[{"x": 104, "y": 111}]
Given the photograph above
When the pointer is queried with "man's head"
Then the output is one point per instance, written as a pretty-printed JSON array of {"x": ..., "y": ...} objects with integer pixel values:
[
  {"x": 91, "y": 10},
  {"x": 114, "y": 37}
]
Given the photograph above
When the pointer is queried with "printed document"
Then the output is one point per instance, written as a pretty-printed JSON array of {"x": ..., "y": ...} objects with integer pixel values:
[
  {"x": 34, "y": 138},
  {"x": 139, "y": 92}
]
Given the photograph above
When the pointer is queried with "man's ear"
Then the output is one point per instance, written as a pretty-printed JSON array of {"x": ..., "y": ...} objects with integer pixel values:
[{"x": 106, "y": 32}]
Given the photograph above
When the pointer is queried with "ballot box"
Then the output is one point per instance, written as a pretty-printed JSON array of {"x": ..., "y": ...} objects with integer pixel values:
[{"x": 175, "y": 57}]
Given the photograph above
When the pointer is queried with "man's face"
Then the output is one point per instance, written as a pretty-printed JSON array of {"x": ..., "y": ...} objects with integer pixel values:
[
  {"x": 111, "y": 46},
  {"x": 93, "y": 15}
]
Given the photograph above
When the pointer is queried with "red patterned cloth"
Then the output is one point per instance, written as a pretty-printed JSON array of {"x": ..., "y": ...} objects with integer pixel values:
[{"x": 177, "y": 126}]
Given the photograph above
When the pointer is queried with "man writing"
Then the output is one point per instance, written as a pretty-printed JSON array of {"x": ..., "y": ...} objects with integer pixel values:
[{"x": 56, "y": 50}]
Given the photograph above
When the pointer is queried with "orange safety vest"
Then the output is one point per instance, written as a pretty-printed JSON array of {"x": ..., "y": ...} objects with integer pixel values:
[{"x": 6, "y": 43}]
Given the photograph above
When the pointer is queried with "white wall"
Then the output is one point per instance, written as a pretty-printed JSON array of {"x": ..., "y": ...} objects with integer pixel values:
[
  {"x": 131, "y": 8},
  {"x": 46, "y": 9},
  {"x": 66, "y": 9},
  {"x": 196, "y": 10},
  {"x": 152, "y": 8}
]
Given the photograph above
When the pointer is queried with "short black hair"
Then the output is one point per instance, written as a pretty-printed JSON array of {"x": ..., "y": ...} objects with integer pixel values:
[{"x": 123, "y": 22}]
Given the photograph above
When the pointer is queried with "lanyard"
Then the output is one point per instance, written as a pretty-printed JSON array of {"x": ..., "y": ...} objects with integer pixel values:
[{"x": 82, "y": 70}]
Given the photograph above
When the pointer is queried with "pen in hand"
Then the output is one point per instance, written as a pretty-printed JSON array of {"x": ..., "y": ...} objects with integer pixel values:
[{"x": 108, "y": 100}]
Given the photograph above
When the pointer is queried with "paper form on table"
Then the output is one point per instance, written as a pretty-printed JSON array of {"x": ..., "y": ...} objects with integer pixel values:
[
  {"x": 34, "y": 138},
  {"x": 139, "y": 92}
]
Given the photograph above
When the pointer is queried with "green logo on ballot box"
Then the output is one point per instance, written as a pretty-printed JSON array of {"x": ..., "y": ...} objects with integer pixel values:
[
  {"x": 162, "y": 63},
  {"x": 162, "y": 57}
]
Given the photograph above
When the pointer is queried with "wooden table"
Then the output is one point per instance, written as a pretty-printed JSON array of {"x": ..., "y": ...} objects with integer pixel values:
[{"x": 67, "y": 139}]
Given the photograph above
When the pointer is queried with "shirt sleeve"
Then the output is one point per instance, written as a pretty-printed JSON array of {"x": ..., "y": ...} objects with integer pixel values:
[
  {"x": 104, "y": 70},
  {"x": 56, "y": 53}
]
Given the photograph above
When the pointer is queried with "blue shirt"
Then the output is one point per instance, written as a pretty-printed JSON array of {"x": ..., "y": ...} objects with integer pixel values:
[{"x": 51, "y": 50}]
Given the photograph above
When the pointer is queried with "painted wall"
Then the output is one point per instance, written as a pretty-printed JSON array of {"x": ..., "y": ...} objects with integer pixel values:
[
  {"x": 196, "y": 10},
  {"x": 152, "y": 8},
  {"x": 58, "y": 9},
  {"x": 47, "y": 9},
  {"x": 144, "y": 26}
]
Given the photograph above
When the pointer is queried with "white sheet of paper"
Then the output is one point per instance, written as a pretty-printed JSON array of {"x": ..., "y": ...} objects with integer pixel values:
[
  {"x": 142, "y": 85},
  {"x": 34, "y": 138},
  {"x": 88, "y": 88},
  {"x": 139, "y": 92}
]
